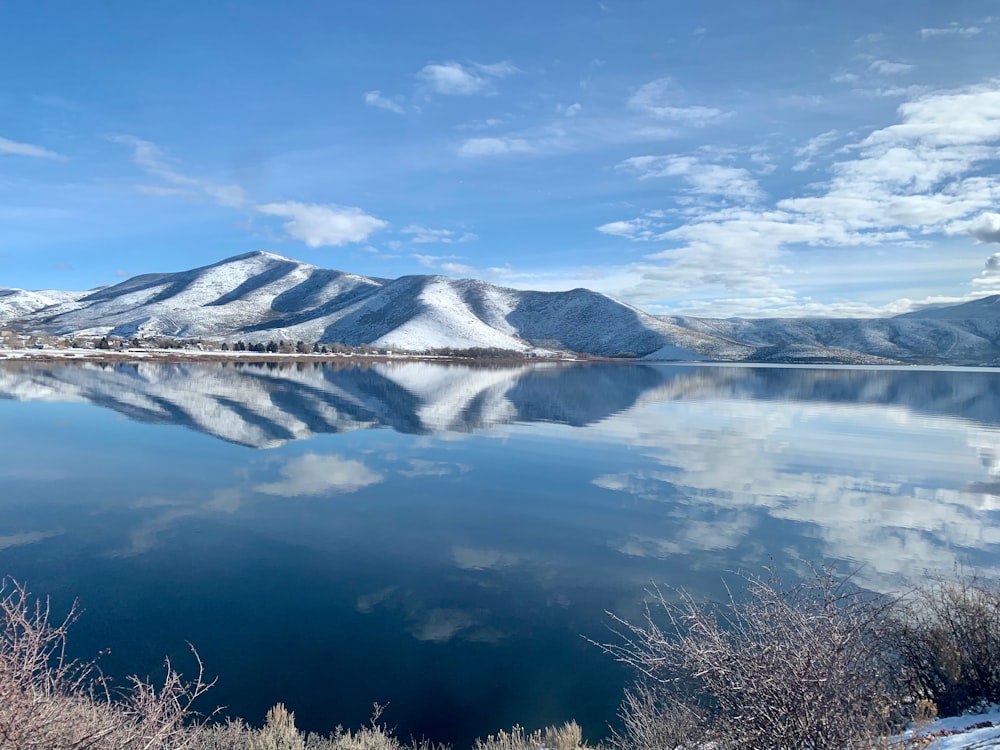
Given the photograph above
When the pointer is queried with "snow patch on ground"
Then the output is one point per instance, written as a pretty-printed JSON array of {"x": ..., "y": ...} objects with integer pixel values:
[{"x": 970, "y": 732}]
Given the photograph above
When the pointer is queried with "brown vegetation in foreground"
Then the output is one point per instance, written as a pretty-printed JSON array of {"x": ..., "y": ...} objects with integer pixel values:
[{"x": 817, "y": 665}]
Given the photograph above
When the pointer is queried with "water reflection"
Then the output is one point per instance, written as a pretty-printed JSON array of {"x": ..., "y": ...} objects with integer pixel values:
[{"x": 466, "y": 524}]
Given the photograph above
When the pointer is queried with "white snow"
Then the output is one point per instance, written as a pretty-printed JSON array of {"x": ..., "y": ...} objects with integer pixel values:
[
  {"x": 970, "y": 732},
  {"x": 261, "y": 296}
]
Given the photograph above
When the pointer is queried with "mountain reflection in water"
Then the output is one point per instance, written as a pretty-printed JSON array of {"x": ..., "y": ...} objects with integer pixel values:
[{"x": 439, "y": 537}]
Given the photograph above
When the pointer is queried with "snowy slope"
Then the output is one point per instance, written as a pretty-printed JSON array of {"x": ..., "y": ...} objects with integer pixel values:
[
  {"x": 930, "y": 340},
  {"x": 260, "y": 296},
  {"x": 16, "y": 303}
]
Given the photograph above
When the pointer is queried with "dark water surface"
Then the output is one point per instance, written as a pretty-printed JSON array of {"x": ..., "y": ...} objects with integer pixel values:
[{"x": 444, "y": 538}]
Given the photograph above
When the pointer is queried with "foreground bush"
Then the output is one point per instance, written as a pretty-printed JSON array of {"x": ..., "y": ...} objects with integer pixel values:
[
  {"x": 948, "y": 636},
  {"x": 803, "y": 667},
  {"x": 48, "y": 702},
  {"x": 818, "y": 665}
]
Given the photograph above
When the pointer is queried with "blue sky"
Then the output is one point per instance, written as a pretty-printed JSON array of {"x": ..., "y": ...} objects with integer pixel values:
[{"x": 718, "y": 158}]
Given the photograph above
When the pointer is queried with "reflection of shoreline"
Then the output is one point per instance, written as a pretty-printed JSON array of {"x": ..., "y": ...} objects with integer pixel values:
[
  {"x": 264, "y": 404},
  {"x": 263, "y": 401},
  {"x": 173, "y": 356}
]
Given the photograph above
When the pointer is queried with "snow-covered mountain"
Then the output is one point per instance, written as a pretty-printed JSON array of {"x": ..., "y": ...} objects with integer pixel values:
[
  {"x": 966, "y": 334},
  {"x": 260, "y": 296},
  {"x": 16, "y": 303}
]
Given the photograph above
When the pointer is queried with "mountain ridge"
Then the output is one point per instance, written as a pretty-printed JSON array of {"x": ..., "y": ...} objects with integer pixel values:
[{"x": 260, "y": 296}]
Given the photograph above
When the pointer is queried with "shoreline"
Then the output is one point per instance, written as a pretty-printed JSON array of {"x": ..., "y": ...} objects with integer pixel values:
[{"x": 186, "y": 355}]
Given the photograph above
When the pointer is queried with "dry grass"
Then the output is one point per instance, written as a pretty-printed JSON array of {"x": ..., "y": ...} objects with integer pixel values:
[{"x": 817, "y": 665}]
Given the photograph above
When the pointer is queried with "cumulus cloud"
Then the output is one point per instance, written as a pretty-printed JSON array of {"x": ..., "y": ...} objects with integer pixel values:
[
  {"x": 661, "y": 98},
  {"x": 425, "y": 236},
  {"x": 152, "y": 159},
  {"x": 314, "y": 474},
  {"x": 378, "y": 99},
  {"x": 718, "y": 475},
  {"x": 14, "y": 148},
  {"x": 990, "y": 276},
  {"x": 920, "y": 176},
  {"x": 456, "y": 79},
  {"x": 324, "y": 225},
  {"x": 986, "y": 228},
  {"x": 478, "y": 147}
]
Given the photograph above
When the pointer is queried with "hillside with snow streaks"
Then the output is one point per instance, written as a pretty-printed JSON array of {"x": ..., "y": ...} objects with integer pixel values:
[
  {"x": 16, "y": 303},
  {"x": 259, "y": 297},
  {"x": 945, "y": 338}
]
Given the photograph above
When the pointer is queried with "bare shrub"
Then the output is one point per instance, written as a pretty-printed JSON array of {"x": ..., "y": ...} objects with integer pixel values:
[
  {"x": 648, "y": 723},
  {"x": 947, "y": 633},
  {"x": 801, "y": 667},
  {"x": 566, "y": 737},
  {"x": 50, "y": 702}
]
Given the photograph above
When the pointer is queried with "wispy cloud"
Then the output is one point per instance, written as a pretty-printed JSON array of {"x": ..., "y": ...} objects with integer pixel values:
[
  {"x": 476, "y": 147},
  {"x": 701, "y": 177},
  {"x": 457, "y": 79},
  {"x": 152, "y": 159},
  {"x": 951, "y": 30},
  {"x": 813, "y": 148},
  {"x": 378, "y": 99},
  {"x": 887, "y": 67},
  {"x": 918, "y": 177},
  {"x": 15, "y": 148},
  {"x": 324, "y": 225},
  {"x": 663, "y": 99},
  {"x": 421, "y": 235}
]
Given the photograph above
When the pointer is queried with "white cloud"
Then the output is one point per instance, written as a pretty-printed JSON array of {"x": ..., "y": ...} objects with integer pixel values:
[
  {"x": 445, "y": 263},
  {"x": 324, "y": 225},
  {"x": 986, "y": 228},
  {"x": 456, "y": 79},
  {"x": 640, "y": 229},
  {"x": 152, "y": 159},
  {"x": 660, "y": 98},
  {"x": 25, "y": 538},
  {"x": 990, "y": 276},
  {"x": 313, "y": 474},
  {"x": 887, "y": 67},
  {"x": 459, "y": 269},
  {"x": 953, "y": 29},
  {"x": 814, "y": 146},
  {"x": 377, "y": 99},
  {"x": 14, "y": 148},
  {"x": 926, "y": 174},
  {"x": 426, "y": 236},
  {"x": 702, "y": 178},
  {"x": 478, "y": 147}
]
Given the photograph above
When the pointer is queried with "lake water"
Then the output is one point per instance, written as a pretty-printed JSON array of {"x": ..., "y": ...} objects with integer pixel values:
[{"x": 445, "y": 538}]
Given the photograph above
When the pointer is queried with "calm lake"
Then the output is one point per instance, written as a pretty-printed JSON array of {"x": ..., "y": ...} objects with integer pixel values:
[{"x": 444, "y": 539}]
